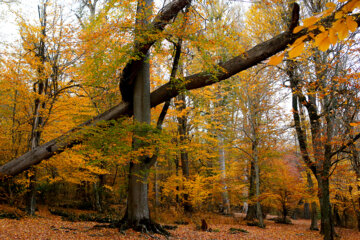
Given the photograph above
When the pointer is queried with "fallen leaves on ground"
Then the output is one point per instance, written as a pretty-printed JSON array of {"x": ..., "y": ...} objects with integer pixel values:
[{"x": 46, "y": 226}]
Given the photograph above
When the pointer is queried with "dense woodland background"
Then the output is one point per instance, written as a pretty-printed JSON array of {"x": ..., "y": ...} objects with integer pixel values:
[{"x": 278, "y": 138}]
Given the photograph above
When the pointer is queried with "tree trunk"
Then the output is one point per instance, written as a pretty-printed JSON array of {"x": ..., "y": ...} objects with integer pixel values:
[
  {"x": 251, "y": 211},
  {"x": 313, "y": 213},
  {"x": 306, "y": 211},
  {"x": 156, "y": 189},
  {"x": 327, "y": 225},
  {"x": 184, "y": 156},
  {"x": 30, "y": 196},
  {"x": 285, "y": 212},
  {"x": 137, "y": 204},
  {"x": 224, "y": 193},
  {"x": 337, "y": 218},
  {"x": 257, "y": 182},
  {"x": 137, "y": 212}
]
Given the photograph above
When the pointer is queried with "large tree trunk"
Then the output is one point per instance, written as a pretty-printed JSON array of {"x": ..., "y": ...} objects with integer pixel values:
[
  {"x": 313, "y": 210},
  {"x": 327, "y": 225},
  {"x": 137, "y": 204},
  {"x": 137, "y": 213}
]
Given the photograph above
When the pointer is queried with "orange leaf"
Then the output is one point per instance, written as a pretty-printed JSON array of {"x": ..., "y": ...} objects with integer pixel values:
[
  {"x": 351, "y": 24},
  {"x": 322, "y": 41},
  {"x": 331, "y": 5},
  {"x": 297, "y": 50},
  {"x": 276, "y": 59},
  {"x": 310, "y": 21},
  {"x": 298, "y": 29},
  {"x": 332, "y": 36}
]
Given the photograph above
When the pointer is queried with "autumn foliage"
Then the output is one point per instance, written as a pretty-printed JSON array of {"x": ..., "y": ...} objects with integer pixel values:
[{"x": 272, "y": 141}]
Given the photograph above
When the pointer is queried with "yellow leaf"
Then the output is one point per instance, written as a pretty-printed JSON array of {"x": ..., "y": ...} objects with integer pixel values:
[
  {"x": 354, "y": 124},
  {"x": 337, "y": 25},
  {"x": 341, "y": 28},
  {"x": 276, "y": 59},
  {"x": 299, "y": 40},
  {"x": 325, "y": 44},
  {"x": 351, "y": 5},
  {"x": 339, "y": 14},
  {"x": 298, "y": 29},
  {"x": 343, "y": 33},
  {"x": 310, "y": 21},
  {"x": 351, "y": 24},
  {"x": 297, "y": 50},
  {"x": 332, "y": 36},
  {"x": 331, "y": 5},
  {"x": 320, "y": 38}
]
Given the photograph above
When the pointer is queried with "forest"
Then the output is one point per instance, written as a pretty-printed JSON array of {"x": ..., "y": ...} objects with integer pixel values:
[{"x": 179, "y": 119}]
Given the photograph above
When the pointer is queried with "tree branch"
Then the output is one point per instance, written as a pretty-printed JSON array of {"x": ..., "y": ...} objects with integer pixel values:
[{"x": 346, "y": 145}]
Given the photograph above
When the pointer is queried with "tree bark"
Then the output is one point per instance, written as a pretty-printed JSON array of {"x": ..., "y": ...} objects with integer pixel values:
[
  {"x": 327, "y": 225},
  {"x": 224, "y": 192},
  {"x": 257, "y": 188},
  {"x": 184, "y": 156},
  {"x": 251, "y": 212},
  {"x": 137, "y": 213},
  {"x": 137, "y": 204},
  {"x": 313, "y": 210}
]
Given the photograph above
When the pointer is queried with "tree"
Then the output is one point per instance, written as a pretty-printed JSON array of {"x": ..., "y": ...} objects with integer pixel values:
[{"x": 322, "y": 111}]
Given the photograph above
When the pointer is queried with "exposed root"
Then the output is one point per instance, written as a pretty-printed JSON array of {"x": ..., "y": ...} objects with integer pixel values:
[
  {"x": 314, "y": 228},
  {"x": 144, "y": 226}
]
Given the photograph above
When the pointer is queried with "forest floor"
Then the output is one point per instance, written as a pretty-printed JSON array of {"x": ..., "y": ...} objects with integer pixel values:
[{"x": 46, "y": 226}]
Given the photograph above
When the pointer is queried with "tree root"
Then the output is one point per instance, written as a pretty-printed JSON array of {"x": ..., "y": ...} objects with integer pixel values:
[{"x": 144, "y": 226}]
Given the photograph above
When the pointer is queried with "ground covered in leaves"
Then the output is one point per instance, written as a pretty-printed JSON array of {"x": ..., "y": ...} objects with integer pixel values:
[{"x": 47, "y": 226}]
